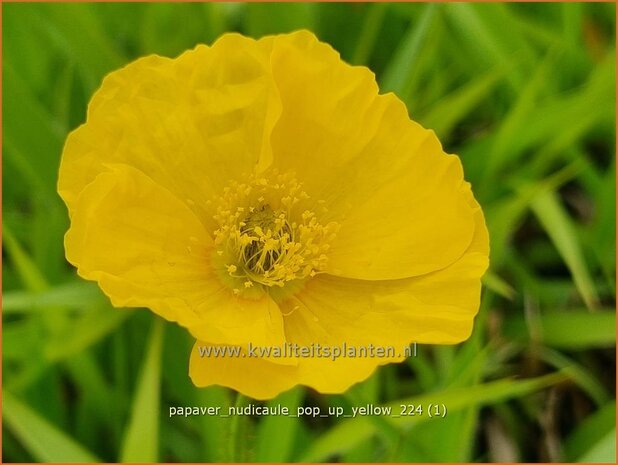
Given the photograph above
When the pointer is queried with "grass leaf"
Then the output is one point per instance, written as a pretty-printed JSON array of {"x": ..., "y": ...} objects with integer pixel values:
[
  {"x": 349, "y": 433},
  {"x": 77, "y": 295},
  {"x": 31, "y": 276},
  {"x": 369, "y": 32},
  {"x": 43, "y": 440},
  {"x": 406, "y": 55},
  {"x": 276, "y": 434},
  {"x": 604, "y": 451},
  {"x": 452, "y": 108},
  {"x": 87, "y": 329},
  {"x": 563, "y": 329},
  {"x": 141, "y": 438},
  {"x": 558, "y": 225},
  {"x": 84, "y": 39},
  {"x": 588, "y": 432}
]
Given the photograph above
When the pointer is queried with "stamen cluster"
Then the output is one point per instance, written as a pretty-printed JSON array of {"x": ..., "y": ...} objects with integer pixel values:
[{"x": 267, "y": 235}]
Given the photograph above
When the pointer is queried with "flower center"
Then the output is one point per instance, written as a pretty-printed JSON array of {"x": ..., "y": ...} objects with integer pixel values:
[{"x": 269, "y": 234}]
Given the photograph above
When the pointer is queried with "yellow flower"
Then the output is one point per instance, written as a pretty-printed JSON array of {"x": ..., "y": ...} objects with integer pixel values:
[{"x": 263, "y": 193}]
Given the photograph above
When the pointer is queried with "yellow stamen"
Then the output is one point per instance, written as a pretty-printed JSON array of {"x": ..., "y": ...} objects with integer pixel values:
[{"x": 269, "y": 232}]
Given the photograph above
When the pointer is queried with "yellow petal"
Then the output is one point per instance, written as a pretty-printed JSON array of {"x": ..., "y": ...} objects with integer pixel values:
[
  {"x": 145, "y": 248},
  {"x": 263, "y": 379},
  {"x": 255, "y": 377},
  {"x": 226, "y": 319},
  {"x": 325, "y": 366},
  {"x": 386, "y": 180},
  {"x": 413, "y": 224},
  {"x": 436, "y": 308},
  {"x": 192, "y": 124}
]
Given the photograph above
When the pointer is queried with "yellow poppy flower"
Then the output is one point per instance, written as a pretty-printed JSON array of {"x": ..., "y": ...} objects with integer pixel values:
[{"x": 263, "y": 192}]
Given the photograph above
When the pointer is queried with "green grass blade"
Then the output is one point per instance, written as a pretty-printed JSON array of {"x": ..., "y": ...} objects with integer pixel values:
[
  {"x": 215, "y": 20},
  {"x": 481, "y": 394},
  {"x": 504, "y": 216},
  {"x": 498, "y": 285},
  {"x": 79, "y": 295},
  {"x": 542, "y": 129},
  {"x": 30, "y": 275},
  {"x": 515, "y": 122},
  {"x": 475, "y": 32},
  {"x": 22, "y": 110},
  {"x": 93, "y": 386},
  {"x": 558, "y": 225},
  {"x": 588, "y": 432},
  {"x": 141, "y": 439},
  {"x": 563, "y": 329},
  {"x": 452, "y": 108},
  {"x": 276, "y": 434},
  {"x": 81, "y": 333},
  {"x": 580, "y": 375},
  {"x": 604, "y": 451},
  {"x": 339, "y": 439},
  {"x": 213, "y": 437},
  {"x": 272, "y": 18},
  {"x": 387, "y": 432},
  {"x": 43, "y": 440},
  {"x": 350, "y": 433},
  {"x": 405, "y": 57},
  {"x": 369, "y": 33},
  {"x": 84, "y": 39}
]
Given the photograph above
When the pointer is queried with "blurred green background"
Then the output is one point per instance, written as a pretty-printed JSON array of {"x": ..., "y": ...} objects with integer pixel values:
[{"x": 524, "y": 93}]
